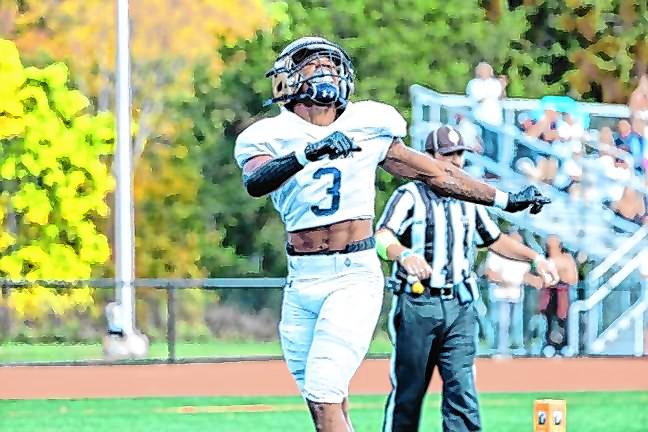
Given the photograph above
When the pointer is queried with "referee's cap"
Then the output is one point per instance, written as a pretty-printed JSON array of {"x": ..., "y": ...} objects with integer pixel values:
[{"x": 444, "y": 140}]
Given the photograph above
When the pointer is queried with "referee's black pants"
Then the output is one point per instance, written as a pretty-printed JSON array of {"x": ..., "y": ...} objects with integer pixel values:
[{"x": 428, "y": 331}]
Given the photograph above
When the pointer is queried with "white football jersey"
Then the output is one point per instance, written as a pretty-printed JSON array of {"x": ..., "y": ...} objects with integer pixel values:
[{"x": 325, "y": 191}]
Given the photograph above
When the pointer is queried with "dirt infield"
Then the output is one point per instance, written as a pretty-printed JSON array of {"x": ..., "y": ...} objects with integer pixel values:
[{"x": 271, "y": 378}]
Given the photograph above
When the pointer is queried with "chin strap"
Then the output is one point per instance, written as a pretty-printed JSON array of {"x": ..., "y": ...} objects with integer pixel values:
[{"x": 340, "y": 102}]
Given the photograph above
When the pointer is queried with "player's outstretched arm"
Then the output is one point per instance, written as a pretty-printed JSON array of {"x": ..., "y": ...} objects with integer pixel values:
[
  {"x": 444, "y": 178},
  {"x": 448, "y": 180}
]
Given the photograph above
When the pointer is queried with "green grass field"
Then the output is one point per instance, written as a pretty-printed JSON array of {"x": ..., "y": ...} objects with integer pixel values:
[
  {"x": 21, "y": 352},
  {"x": 501, "y": 412}
]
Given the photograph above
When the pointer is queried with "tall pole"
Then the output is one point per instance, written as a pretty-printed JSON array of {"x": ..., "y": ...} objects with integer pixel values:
[{"x": 124, "y": 230}]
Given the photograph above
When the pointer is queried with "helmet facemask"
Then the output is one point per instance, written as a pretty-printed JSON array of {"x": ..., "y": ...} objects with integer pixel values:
[{"x": 330, "y": 83}]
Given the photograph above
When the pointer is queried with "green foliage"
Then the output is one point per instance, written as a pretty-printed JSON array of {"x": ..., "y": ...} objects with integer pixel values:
[
  {"x": 169, "y": 224},
  {"x": 170, "y": 229},
  {"x": 589, "y": 49},
  {"x": 54, "y": 184},
  {"x": 220, "y": 197}
]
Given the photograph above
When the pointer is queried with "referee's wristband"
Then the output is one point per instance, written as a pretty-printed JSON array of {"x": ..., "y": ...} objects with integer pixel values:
[
  {"x": 534, "y": 263},
  {"x": 501, "y": 199},
  {"x": 384, "y": 239},
  {"x": 404, "y": 254}
]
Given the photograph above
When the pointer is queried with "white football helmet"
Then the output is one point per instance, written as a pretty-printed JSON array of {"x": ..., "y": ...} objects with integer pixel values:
[{"x": 321, "y": 88}]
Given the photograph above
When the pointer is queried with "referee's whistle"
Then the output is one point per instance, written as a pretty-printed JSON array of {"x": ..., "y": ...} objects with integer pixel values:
[{"x": 415, "y": 283}]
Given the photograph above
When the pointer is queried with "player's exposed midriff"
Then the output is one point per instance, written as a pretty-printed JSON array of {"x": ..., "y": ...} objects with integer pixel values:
[{"x": 331, "y": 237}]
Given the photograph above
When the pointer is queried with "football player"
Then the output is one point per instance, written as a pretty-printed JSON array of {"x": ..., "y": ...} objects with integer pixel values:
[{"x": 317, "y": 159}]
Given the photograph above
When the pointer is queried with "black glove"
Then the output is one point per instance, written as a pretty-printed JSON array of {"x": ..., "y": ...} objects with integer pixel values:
[
  {"x": 334, "y": 146},
  {"x": 527, "y": 197}
]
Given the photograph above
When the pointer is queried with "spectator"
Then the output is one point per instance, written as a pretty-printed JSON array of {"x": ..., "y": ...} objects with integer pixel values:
[
  {"x": 570, "y": 129},
  {"x": 525, "y": 121},
  {"x": 640, "y": 128},
  {"x": 571, "y": 135},
  {"x": 469, "y": 133},
  {"x": 527, "y": 167},
  {"x": 570, "y": 172},
  {"x": 606, "y": 137},
  {"x": 546, "y": 128},
  {"x": 471, "y": 137},
  {"x": 554, "y": 300},
  {"x": 604, "y": 176},
  {"x": 485, "y": 91},
  {"x": 631, "y": 206},
  {"x": 506, "y": 295},
  {"x": 526, "y": 157},
  {"x": 630, "y": 141},
  {"x": 503, "y": 79},
  {"x": 639, "y": 99}
]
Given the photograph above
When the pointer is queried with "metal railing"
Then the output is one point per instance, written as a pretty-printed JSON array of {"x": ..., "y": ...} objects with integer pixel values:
[
  {"x": 635, "y": 313},
  {"x": 600, "y": 291},
  {"x": 436, "y": 103},
  {"x": 162, "y": 283},
  {"x": 171, "y": 302},
  {"x": 428, "y": 107},
  {"x": 437, "y": 108},
  {"x": 532, "y": 325}
]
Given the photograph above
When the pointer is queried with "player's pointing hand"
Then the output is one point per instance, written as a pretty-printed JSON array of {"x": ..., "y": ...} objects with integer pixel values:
[
  {"x": 529, "y": 197},
  {"x": 334, "y": 146}
]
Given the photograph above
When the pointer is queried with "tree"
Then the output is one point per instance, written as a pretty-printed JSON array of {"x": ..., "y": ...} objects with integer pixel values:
[
  {"x": 168, "y": 39},
  {"x": 591, "y": 50},
  {"x": 54, "y": 184}
]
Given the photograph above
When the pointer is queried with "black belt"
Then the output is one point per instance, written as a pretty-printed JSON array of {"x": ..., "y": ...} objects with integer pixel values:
[
  {"x": 116, "y": 333},
  {"x": 356, "y": 246},
  {"x": 444, "y": 293}
]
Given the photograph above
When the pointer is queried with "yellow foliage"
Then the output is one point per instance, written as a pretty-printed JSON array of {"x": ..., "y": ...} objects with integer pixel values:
[
  {"x": 171, "y": 32},
  {"x": 13, "y": 78},
  {"x": 8, "y": 167},
  {"x": 11, "y": 266},
  {"x": 10, "y": 126},
  {"x": 56, "y": 152},
  {"x": 6, "y": 240},
  {"x": 168, "y": 39},
  {"x": 176, "y": 253}
]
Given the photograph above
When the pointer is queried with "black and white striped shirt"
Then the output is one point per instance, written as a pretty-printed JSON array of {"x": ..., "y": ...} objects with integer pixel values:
[{"x": 443, "y": 230}]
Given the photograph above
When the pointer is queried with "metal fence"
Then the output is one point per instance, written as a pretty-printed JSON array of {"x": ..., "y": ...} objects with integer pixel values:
[
  {"x": 229, "y": 319},
  {"x": 183, "y": 319}
]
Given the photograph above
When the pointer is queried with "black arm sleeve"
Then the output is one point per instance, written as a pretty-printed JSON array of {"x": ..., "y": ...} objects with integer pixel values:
[{"x": 271, "y": 175}]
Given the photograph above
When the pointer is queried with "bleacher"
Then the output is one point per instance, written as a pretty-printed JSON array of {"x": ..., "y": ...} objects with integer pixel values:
[{"x": 613, "y": 245}]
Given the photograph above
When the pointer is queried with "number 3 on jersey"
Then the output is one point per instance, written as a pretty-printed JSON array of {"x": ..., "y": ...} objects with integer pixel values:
[{"x": 334, "y": 191}]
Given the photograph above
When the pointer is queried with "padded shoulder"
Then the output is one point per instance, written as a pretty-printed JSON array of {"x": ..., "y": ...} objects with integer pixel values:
[{"x": 382, "y": 116}]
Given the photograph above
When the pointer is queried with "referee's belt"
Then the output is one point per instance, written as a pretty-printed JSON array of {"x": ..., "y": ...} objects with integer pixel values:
[
  {"x": 443, "y": 292},
  {"x": 446, "y": 292},
  {"x": 399, "y": 286}
]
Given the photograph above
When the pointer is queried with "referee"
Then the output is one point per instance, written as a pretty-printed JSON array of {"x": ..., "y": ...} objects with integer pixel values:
[{"x": 431, "y": 239}]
